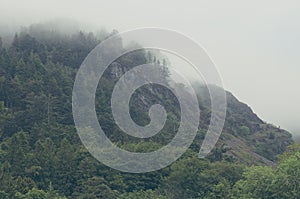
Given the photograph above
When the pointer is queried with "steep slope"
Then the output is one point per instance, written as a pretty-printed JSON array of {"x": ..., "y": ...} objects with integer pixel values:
[{"x": 245, "y": 136}]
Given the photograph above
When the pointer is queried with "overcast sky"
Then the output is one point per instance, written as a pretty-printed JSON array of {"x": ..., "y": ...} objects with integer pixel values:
[{"x": 255, "y": 44}]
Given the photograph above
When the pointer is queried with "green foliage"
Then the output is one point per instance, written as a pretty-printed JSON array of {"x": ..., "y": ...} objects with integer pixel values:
[
  {"x": 149, "y": 194},
  {"x": 193, "y": 177},
  {"x": 268, "y": 182},
  {"x": 41, "y": 155},
  {"x": 3, "y": 195},
  {"x": 37, "y": 194},
  {"x": 257, "y": 184},
  {"x": 244, "y": 130},
  {"x": 32, "y": 194}
]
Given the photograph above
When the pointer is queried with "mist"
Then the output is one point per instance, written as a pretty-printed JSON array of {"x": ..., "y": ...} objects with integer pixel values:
[{"x": 255, "y": 45}]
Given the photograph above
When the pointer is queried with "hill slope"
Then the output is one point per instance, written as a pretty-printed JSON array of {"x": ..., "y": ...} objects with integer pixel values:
[{"x": 39, "y": 144}]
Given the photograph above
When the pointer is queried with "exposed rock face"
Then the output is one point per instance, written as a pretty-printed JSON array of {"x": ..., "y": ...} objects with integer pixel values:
[{"x": 246, "y": 137}]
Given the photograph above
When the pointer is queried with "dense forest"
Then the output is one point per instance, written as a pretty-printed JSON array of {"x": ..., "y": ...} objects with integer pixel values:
[{"x": 41, "y": 155}]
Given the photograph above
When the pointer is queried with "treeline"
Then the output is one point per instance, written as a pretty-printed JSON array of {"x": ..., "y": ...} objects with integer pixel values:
[{"x": 41, "y": 155}]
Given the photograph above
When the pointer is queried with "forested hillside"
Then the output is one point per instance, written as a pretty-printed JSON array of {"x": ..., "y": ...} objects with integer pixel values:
[{"x": 41, "y": 155}]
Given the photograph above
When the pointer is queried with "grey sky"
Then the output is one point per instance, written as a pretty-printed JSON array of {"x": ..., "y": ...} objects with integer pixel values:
[{"x": 255, "y": 44}]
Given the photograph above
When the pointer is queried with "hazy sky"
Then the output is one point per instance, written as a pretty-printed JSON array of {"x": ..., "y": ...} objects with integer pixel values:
[{"x": 255, "y": 44}]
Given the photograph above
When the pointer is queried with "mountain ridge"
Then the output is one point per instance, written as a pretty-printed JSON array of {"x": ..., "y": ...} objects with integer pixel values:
[{"x": 39, "y": 146}]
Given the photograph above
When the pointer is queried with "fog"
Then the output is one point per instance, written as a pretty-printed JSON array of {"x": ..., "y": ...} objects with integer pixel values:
[{"x": 255, "y": 44}]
